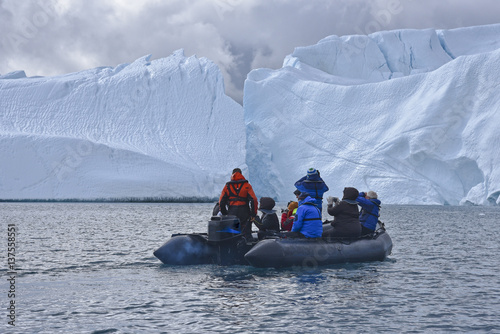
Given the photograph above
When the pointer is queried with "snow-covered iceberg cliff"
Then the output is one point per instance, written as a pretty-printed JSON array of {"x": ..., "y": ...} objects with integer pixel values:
[
  {"x": 155, "y": 129},
  {"x": 411, "y": 114}
]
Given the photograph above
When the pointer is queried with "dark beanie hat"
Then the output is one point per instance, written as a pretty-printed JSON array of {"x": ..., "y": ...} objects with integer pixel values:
[
  {"x": 267, "y": 203},
  {"x": 303, "y": 195},
  {"x": 296, "y": 192}
]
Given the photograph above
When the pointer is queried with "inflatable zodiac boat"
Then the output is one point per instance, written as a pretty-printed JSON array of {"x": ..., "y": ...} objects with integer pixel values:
[{"x": 225, "y": 245}]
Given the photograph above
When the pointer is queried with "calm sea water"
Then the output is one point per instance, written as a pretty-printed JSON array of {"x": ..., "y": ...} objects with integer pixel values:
[{"x": 89, "y": 268}]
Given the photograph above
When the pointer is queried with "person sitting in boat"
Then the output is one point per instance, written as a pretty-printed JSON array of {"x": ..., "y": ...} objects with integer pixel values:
[
  {"x": 238, "y": 199},
  {"x": 288, "y": 216},
  {"x": 216, "y": 210},
  {"x": 307, "y": 222},
  {"x": 284, "y": 213},
  {"x": 370, "y": 208},
  {"x": 314, "y": 185},
  {"x": 346, "y": 213},
  {"x": 268, "y": 223},
  {"x": 297, "y": 193}
]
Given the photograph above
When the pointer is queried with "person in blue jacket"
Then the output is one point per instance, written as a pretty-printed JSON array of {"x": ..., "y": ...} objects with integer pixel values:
[
  {"x": 314, "y": 185},
  {"x": 370, "y": 211},
  {"x": 308, "y": 223}
]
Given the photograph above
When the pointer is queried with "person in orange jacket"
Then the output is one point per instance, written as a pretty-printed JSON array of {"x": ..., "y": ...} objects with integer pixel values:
[{"x": 238, "y": 199}]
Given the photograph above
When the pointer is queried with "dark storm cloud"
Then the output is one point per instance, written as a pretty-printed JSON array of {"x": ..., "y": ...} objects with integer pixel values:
[{"x": 56, "y": 37}]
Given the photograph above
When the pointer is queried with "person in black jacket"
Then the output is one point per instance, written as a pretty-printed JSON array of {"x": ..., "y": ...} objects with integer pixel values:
[
  {"x": 268, "y": 223},
  {"x": 346, "y": 222}
]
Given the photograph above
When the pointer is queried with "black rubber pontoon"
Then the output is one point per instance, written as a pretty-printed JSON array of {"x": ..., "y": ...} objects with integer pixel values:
[{"x": 279, "y": 252}]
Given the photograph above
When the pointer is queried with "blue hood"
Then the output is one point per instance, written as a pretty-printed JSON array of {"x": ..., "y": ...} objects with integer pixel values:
[{"x": 308, "y": 199}]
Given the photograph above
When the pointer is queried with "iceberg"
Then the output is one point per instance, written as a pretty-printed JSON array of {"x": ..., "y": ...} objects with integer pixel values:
[
  {"x": 411, "y": 114},
  {"x": 149, "y": 129}
]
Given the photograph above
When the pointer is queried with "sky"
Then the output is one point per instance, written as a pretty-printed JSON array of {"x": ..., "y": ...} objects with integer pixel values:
[{"x": 54, "y": 37}]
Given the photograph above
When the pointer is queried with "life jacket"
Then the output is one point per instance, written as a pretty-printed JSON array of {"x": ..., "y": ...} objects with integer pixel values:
[
  {"x": 238, "y": 192},
  {"x": 233, "y": 190}
]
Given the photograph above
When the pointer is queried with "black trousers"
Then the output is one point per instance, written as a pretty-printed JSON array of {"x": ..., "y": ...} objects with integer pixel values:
[
  {"x": 243, "y": 214},
  {"x": 330, "y": 231}
]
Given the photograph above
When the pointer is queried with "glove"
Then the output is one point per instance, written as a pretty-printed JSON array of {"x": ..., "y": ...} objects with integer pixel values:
[{"x": 329, "y": 199}]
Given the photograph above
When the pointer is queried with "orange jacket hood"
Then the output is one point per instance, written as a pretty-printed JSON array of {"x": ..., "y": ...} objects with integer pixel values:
[{"x": 237, "y": 177}]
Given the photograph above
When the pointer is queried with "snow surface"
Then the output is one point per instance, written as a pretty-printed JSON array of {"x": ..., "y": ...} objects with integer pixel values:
[
  {"x": 411, "y": 114},
  {"x": 159, "y": 129}
]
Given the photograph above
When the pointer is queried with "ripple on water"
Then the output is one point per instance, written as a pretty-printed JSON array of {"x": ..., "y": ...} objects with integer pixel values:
[{"x": 88, "y": 267}]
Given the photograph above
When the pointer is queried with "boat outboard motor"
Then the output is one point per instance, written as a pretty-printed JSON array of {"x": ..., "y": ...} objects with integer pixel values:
[{"x": 223, "y": 227}]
